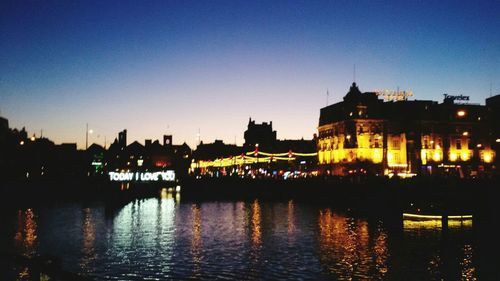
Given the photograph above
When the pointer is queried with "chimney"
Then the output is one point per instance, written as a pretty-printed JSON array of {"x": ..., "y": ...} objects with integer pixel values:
[{"x": 167, "y": 140}]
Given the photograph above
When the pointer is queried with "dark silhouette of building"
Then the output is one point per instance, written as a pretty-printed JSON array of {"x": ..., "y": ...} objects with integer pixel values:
[
  {"x": 148, "y": 157},
  {"x": 122, "y": 139},
  {"x": 215, "y": 150},
  {"x": 261, "y": 134}
]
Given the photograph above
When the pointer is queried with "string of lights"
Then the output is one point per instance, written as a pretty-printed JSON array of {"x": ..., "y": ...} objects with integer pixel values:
[{"x": 246, "y": 158}]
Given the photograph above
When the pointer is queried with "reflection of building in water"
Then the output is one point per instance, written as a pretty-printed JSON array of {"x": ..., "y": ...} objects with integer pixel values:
[
  {"x": 348, "y": 251},
  {"x": 88, "y": 241},
  {"x": 196, "y": 242},
  {"x": 26, "y": 234},
  {"x": 363, "y": 133}
]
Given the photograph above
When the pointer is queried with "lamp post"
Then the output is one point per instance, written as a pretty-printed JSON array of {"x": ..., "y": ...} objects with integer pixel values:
[
  {"x": 87, "y": 136},
  {"x": 87, "y": 132}
]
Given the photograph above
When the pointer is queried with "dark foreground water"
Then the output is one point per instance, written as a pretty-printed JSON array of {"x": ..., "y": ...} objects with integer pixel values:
[{"x": 165, "y": 238}]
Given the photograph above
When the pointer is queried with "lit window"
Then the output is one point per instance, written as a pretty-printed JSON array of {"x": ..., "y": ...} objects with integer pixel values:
[
  {"x": 461, "y": 113},
  {"x": 487, "y": 157},
  {"x": 453, "y": 157},
  {"x": 436, "y": 157}
]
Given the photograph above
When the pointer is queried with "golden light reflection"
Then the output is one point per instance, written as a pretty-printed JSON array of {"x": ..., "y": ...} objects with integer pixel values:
[
  {"x": 345, "y": 247},
  {"x": 468, "y": 271},
  {"x": 196, "y": 242},
  {"x": 164, "y": 194},
  {"x": 26, "y": 234},
  {"x": 24, "y": 274},
  {"x": 291, "y": 220},
  {"x": 381, "y": 251},
  {"x": 256, "y": 231}
]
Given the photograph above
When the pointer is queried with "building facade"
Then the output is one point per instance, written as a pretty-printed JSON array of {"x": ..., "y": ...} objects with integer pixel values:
[{"x": 365, "y": 134}]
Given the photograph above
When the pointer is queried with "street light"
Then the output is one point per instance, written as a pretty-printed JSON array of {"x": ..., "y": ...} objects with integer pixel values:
[{"x": 87, "y": 132}]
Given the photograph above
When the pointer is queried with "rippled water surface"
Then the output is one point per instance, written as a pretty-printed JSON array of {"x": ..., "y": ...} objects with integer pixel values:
[{"x": 164, "y": 238}]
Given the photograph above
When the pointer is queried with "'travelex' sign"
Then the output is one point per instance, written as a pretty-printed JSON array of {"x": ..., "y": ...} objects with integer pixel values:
[
  {"x": 142, "y": 176},
  {"x": 452, "y": 97}
]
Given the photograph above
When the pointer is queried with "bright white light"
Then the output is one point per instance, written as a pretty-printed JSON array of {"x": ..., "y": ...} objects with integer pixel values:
[
  {"x": 91, "y": 131},
  {"x": 142, "y": 176}
]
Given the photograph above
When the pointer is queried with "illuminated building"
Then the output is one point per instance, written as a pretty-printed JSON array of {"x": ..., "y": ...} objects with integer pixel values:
[
  {"x": 365, "y": 134},
  {"x": 262, "y": 154}
]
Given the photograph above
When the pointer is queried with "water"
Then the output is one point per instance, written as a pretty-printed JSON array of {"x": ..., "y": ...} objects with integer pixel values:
[{"x": 166, "y": 239}]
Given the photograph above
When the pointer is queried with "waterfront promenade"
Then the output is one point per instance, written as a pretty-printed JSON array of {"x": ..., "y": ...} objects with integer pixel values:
[{"x": 375, "y": 194}]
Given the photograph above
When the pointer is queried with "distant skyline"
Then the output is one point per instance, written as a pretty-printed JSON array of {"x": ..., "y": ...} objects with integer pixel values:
[{"x": 179, "y": 67}]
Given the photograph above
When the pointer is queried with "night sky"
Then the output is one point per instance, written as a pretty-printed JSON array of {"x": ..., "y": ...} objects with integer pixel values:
[{"x": 176, "y": 67}]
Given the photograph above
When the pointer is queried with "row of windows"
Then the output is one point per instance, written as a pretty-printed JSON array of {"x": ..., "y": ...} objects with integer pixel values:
[{"x": 374, "y": 129}]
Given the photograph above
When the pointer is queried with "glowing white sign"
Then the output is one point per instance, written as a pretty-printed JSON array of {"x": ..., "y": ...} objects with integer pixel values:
[
  {"x": 142, "y": 176},
  {"x": 389, "y": 95}
]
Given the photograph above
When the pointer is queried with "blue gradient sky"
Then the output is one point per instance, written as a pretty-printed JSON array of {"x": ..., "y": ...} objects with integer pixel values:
[{"x": 157, "y": 67}]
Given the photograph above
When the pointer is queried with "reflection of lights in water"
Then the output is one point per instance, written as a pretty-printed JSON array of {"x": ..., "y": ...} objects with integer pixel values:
[
  {"x": 468, "y": 269},
  {"x": 345, "y": 247},
  {"x": 167, "y": 193},
  {"x": 124, "y": 186},
  {"x": 196, "y": 239},
  {"x": 88, "y": 240},
  {"x": 256, "y": 232},
  {"x": 19, "y": 232},
  {"x": 434, "y": 265},
  {"x": 381, "y": 251},
  {"x": 291, "y": 219},
  {"x": 164, "y": 194},
  {"x": 26, "y": 234}
]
